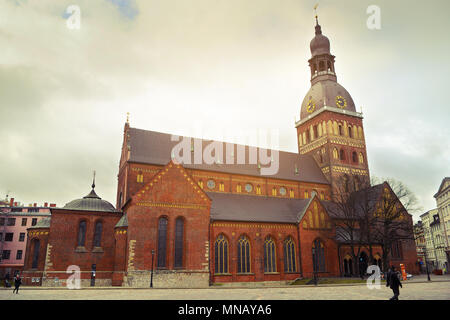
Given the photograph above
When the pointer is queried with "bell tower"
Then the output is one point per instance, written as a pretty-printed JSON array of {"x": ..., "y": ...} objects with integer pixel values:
[{"x": 330, "y": 129}]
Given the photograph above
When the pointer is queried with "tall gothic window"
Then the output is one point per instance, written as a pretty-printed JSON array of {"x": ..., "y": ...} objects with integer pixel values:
[
  {"x": 318, "y": 252},
  {"x": 82, "y": 233},
  {"x": 243, "y": 247},
  {"x": 98, "y": 234},
  {"x": 36, "y": 247},
  {"x": 179, "y": 230},
  {"x": 354, "y": 157},
  {"x": 221, "y": 255},
  {"x": 162, "y": 242},
  {"x": 289, "y": 255},
  {"x": 270, "y": 264},
  {"x": 342, "y": 154}
]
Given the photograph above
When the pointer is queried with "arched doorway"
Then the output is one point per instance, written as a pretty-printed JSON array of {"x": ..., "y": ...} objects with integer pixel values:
[
  {"x": 348, "y": 266},
  {"x": 363, "y": 263}
]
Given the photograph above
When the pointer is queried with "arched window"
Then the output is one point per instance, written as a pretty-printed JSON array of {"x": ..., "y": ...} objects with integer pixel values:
[
  {"x": 335, "y": 153},
  {"x": 140, "y": 177},
  {"x": 342, "y": 154},
  {"x": 350, "y": 132},
  {"x": 243, "y": 247},
  {"x": 274, "y": 191},
  {"x": 270, "y": 264},
  {"x": 36, "y": 247},
  {"x": 322, "y": 66},
  {"x": 348, "y": 265},
  {"x": 318, "y": 253},
  {"x": 258, "y": 190},
  {"x": 98, "y": 234},
  {"x": 361, "y": 158},
  {"x": 82, "y": 233},
  {"x": 239, "y": 188},
  {"x": 221, "y": 255},
  {"x": 179, "y": 231},
  {"x": 291, "y": 193},
  {"x": 306, "y": 195},
  {"x": 221, "y": 186},
  {"x": 200, "y": 184},
  {"x": 162, "y": 242},
  {"x": 354, "y": 157},
  {"x": 289, "y": 255},
  {"x": 316, "y": 132}
]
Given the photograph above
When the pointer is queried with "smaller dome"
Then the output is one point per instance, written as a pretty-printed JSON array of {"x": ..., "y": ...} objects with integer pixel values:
[
  {"x": 319, "y": 44},
  {"x": 91, "y": 202}
]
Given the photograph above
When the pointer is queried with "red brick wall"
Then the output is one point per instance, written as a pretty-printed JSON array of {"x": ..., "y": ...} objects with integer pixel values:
[
  {"x": 172, "y": 194},
  {"x": 41, "y": 234},
  {"x": 257, "y": 233},
  {"x": 64, "y": 236}
]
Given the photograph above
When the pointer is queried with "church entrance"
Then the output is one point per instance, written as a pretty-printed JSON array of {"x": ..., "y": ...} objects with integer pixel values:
[{"x": 363, "y": 263}]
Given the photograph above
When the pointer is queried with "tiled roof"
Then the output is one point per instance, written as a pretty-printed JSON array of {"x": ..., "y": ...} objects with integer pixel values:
[
  {"x": 236, "y": 207},
  {"x": 156, "y": 148},
  {"x": 43, "y": 223},
  {"x": 123, "y": 222}
]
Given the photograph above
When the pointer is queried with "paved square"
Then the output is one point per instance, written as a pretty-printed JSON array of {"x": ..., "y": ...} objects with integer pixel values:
[{"x": 410, "y": 291}]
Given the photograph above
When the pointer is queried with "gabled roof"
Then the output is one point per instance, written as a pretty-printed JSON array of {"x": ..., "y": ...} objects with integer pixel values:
[
  {"x": 237, "y": 207},
  {"x": 441, "y": 187},
  {"x": 152, "y": 147},
  {"x": 123, "y": 222}
]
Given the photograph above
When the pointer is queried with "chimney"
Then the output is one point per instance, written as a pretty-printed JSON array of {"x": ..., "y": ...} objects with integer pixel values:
[
  {"x": 34, "y": 204},
  {"x": 46, "y": 204},
  {"x": 15, "y": 204},
  {"x": 11, "y": 202},
  {"x": 52, "y": 205}
]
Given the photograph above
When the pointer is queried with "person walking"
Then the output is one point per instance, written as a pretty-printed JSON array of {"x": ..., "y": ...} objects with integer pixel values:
[
  {"x": 17, "y": 283},
  {"x": 393, "y": 282}
]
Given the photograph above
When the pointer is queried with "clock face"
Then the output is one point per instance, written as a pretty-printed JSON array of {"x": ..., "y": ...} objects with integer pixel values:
[
  {"x": 310, "y": 107},
  {"x": 248, "y": 187},
  {"x": 341, "y": 102},
  {"x": 211, "y": 184},
  {"x": 283, "y": 191}
]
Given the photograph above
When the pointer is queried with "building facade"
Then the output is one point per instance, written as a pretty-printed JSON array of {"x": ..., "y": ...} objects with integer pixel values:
[
  {"x": 443, "y": 206},
  {"x": 434, "y": 239},
  {"x": 14, "y": 221},
  {"x": 187, "y": 223}
]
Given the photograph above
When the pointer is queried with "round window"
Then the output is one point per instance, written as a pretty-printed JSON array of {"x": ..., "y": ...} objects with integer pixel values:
[
  {"x": 283, "y": 191},
  {"x": 211, "y": 184},
  {"x": 248, "y": 187}
]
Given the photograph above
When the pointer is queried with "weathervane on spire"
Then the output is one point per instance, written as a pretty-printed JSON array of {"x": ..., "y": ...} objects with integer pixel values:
[
  {"x": 93, "y": 181},
  {"x": 315, "y": 11}
]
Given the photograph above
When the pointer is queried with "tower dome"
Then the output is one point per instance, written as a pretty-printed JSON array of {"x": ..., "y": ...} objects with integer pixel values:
[
  {"x": 319, "y": 44},
  {"x": 91, "y": 202}
]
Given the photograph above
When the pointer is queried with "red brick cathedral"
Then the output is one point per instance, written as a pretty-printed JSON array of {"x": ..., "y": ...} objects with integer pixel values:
[{"x": 199, "y": 224}]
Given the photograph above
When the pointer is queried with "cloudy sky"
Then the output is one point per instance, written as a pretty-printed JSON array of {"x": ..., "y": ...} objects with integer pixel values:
[{"x": 202, "y": 67}]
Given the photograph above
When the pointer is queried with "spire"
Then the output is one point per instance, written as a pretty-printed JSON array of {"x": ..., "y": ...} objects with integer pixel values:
[
  {"x": 92, "y": 194},
  {"x": 93, "y": 181},
  {"x": 318, "y": 28}
]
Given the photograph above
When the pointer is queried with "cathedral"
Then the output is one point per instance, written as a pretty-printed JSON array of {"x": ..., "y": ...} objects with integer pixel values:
[{"x": 189, "y": 224}]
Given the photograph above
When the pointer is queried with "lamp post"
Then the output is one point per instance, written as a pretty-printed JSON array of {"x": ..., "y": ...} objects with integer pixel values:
[{"x": 151, "y": 276}]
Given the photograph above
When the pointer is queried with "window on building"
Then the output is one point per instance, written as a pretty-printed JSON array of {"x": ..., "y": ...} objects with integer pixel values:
[
  {"x": 396, "y": 250},
  {"x": 318, "y": 255},
  {"x": 342, "y": 154},
  {"x": 350, "y": 134},
  {"x": 306, "y": 194},
  {"x": 179, "y": 235},
  {"x": 6, "y": 254},
  {"x": 258, "y": 190},
  {"x": 291, "y": 193},
  {"x": 274, "y": 191},
  {"x": 11, "y": 221},
  {"x": 221, "y": 255},
  {"x": 19, "y": 255},
  {"x": 200, "y": 184},
  {"x": 9, "y": 236},
  {"x": 24, "y": 222},
  {"x": 270, "y": 264},
  {"x": 140, "y": 177},
  {"x": 22, "y": 237},
  {"x": 221, "y": 186},
  {"x": 36, "y": 247},
  {"x": 289, "y": 255},
  {"x": 315, "y": 131},
  {"x": 2, "y": 221},
  {"x": 33, "y": 221},
  {"x": 162, "y": 242},
  {"x": 239, "y": 188},
  {"x": 16, "y": 210},
  {"x": 243, "y": 247},
  {"x": 98, "y": 234},
  {"x": 33, "y": 209},
  {"x": 361, "y": 158},
  {"x": 82, "y": 233},
  {"x": 335, "y": 153},
  {"x": 354, "y": 157},
  {"x": 1, "y": 236},
  {"x": 340, "y": 130}
]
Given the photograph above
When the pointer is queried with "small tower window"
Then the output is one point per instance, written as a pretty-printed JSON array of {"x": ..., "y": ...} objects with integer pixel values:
[
  {"x": 361, "y": 158},
  {"x": 342, "y": 154},
  {"x": 335, "y": 153},
  {"x": 354, "y": 157}
]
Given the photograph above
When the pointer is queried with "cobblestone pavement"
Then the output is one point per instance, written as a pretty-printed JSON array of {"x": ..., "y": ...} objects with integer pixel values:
[{"x": 410, "y": 291}]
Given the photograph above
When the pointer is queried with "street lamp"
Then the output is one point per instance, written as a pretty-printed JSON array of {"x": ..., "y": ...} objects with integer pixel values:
[{"x": 151, "y": 277}]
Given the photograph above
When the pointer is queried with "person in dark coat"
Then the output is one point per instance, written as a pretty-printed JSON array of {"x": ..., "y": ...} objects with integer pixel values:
[
  {"x": 17, "y": 283},
  {"x": 393, "y": 282}
]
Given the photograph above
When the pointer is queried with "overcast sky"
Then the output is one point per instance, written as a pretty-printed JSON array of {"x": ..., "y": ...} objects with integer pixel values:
[{"x": 205, "y": 67}]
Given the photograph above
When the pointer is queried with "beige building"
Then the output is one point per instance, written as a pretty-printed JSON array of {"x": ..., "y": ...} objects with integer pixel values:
[
  {"x": 434, "y": 240},
  {"x": 443, "y": 206}
]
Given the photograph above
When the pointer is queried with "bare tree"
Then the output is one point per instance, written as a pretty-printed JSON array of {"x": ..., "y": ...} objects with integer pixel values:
[{"x": 391, "y": 222}]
